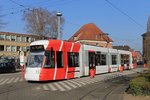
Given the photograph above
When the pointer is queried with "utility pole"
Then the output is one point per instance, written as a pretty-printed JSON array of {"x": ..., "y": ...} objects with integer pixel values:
[{"x": 58, "y": 27}]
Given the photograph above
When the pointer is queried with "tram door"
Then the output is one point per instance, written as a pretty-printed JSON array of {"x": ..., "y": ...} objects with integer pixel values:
[{"x": 92, "y": 60}]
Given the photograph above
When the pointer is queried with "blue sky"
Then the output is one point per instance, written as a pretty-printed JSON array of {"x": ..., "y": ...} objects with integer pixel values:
[{"x": 125, "y": 24}]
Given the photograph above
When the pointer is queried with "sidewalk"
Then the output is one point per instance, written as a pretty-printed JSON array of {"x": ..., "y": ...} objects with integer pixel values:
[
  {"x": 117, "y": 90},
  {"x": 107, "y": 76}
]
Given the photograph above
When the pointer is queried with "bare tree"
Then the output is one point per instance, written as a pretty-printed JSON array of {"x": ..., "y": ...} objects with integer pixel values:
[{"x": 41, "y": 22}]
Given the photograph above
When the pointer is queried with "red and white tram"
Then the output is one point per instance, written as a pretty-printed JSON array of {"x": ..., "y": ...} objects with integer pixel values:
[{"x": 57, "y": 60}]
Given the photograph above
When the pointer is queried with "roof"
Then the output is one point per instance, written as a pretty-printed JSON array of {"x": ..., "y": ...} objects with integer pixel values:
[
  {"x": 127, "y": 48},
  {"x": 12, "y": 33},
  {"x": 145, "y": 34},
  {"x": 20, "y": 34},
  {"x": 90, "y": 32}
]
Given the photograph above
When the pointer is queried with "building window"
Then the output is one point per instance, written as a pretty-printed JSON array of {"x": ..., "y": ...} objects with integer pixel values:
[
  {"x": 32, "y": 39},
  {"x": 8, "y": 48},
  {"x": 75, "y": 38},
  {"x": 13, "y": 48},
  {"x": 28, "y": 48},
  {"x": 8, "y": 37},
  {"x": 18, "y": 48},
  {"x": 1, "y": 47},
  {"x": 2, "y": 37},
  {"x": 13, "y": 38},
  {"x": 29, "y": 39},
  {"x": 23, "y": 39},
  {"x": 23, "y": 48},
  {"x": 73, "y": 59},
  {"x": 18, "y": 39},
  {"x": 114, "y": 59}
]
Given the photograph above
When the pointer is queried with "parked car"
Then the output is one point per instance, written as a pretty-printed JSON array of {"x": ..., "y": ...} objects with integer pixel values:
[
  {"x": 140, "y": 63},
  {"x": 6, "y": 66}
]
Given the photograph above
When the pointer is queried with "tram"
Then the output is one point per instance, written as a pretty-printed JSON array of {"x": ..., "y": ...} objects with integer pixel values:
[{"x": 58, "y": 60}]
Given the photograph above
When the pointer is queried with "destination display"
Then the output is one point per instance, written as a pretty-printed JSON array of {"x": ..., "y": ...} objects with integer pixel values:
[{"x": 36, "y": 48}]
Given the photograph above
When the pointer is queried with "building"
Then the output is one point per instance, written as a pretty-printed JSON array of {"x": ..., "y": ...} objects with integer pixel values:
[
  {"x": 92, "y": 35},
  {"x": 139, "y": 56},
  {"x": 127, "y": 48},
  {"x": 12, "y": 43},
  {"x": 146, "y": 45}
]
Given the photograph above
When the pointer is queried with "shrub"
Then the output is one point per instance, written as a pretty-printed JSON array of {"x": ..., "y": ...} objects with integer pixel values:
[
  {"x": 137, "y": 85},
  {"x": 146, "y": 88},
  {"x": 148, "y": 66},
  {"x": 147, "y": 76}
]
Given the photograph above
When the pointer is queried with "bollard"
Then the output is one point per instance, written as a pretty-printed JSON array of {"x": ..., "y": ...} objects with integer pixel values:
[
  {"x": 92, "y": 73},
  {"x": 22, "y": 71},
  {"x": 145, "y": 65},
  {"x": 121, "y": 69}
]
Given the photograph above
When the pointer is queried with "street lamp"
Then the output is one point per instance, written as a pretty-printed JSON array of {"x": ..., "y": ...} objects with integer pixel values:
[{"x": 58, "y": 23}]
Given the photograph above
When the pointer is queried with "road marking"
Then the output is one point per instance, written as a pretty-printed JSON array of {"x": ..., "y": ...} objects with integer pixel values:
[
  {"x": 45, "y": 87},
  {"x": 4, "y": 81},
  {"x": 81, "y": 82},
  {"x": 21, "y": 80},
  {"x": 64, "y": 85},
  {"x": 10, "y": 81},
  {"x": 1, "y": 80},
  {"x": 86, "y": 81},
  {"x": 16, "y": 80},
  {"x": 38, "y": 88},
  {"x": 74, "y": 82},
  {"x": 59, "y": 86},
  {"x": 67, "y": 82},
  {"x": 52, "y": 87}
]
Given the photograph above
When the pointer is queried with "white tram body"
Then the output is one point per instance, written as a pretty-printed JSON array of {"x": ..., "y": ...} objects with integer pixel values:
[{"x": 65, "y": 60}]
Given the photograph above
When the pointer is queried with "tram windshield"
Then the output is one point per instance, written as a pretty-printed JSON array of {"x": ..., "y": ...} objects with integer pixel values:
[{"x": 35, "y": 60}]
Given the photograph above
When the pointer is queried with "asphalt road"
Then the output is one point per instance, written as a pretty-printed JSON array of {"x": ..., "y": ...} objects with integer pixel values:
[{"x": 109, "y": 86}]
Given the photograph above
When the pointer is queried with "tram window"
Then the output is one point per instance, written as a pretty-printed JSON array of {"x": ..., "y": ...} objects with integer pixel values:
[
  {"x": 36, "y": 48},
  {"x": 114, "y": 59},
  {"x": 127, "y": 59},
  {"x": 49, "y": 63},
  {"x": 59, "y": 59},
  {"x": 103, "y": 59},
  {"x": 73, "y": 59},
  {"x": 122, "y": 59},
  {"x": 98, "y": 56}
]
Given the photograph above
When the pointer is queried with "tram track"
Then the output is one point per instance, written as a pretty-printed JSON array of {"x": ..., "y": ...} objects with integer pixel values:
[
  {"x": 105, "y": 90},
  {"x": 15, "y": 87},
  {"x": 112, "y": 90}
]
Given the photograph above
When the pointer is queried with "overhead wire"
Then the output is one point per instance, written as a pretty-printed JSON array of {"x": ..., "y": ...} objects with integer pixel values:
[
  {"x": 132, "y": 19},
  {"x": 14, "y": 8},
  {"x": 28, "y": 7},
  {"x": 17, "y": 3}
]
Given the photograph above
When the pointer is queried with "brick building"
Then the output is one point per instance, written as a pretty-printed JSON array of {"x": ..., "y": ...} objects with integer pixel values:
[
  {"x": 92, "y": 35},
  {"x": 146, "y": 45},
  {"x": 12, "y": 43}
]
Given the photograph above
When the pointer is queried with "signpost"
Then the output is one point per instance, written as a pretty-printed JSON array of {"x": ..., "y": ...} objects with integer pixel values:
[
  {"x": 22, "y": 63},
  {"x": 22, "y": 58}
]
